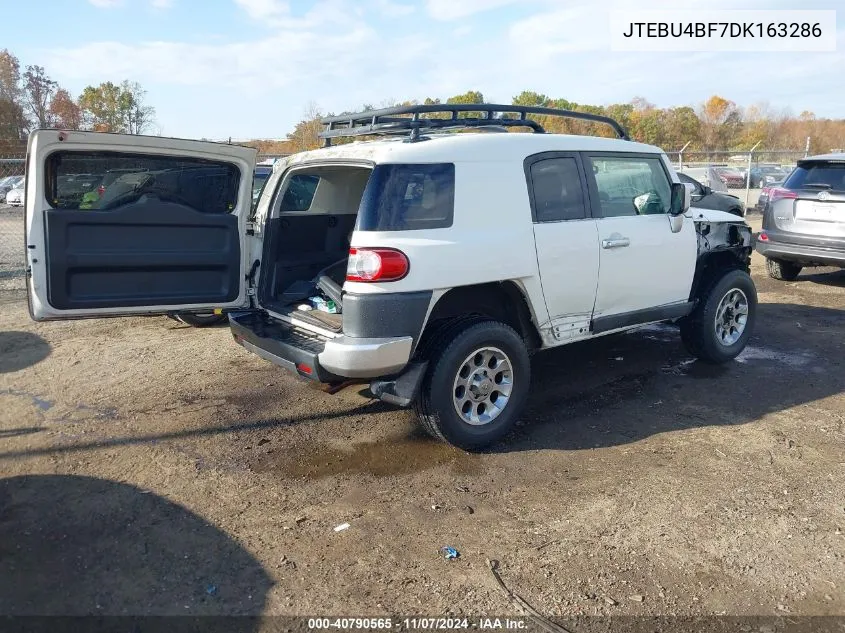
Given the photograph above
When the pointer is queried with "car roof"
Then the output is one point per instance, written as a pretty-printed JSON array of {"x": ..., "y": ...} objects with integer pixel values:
[
  {"x": 469, "y": 147},
  {"x": 819, "y": 157}
]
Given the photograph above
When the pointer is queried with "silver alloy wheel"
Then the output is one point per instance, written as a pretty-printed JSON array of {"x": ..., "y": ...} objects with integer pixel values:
[
  {"x": 731, "y": 317},
  {"x": 483, "y": 386}
]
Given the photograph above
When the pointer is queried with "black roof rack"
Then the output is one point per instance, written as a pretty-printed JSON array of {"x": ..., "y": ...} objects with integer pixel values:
[{"x": 395, "y": 122}]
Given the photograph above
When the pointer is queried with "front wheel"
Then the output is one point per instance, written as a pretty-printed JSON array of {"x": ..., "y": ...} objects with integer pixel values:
[
  {"x": 476, "y": 386},
  {"x": 721, "y": 324}
]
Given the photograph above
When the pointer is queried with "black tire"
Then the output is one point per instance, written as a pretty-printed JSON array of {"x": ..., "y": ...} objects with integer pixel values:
[
  {"x": 736, "y": 211},
  {"x": 435, "y": 406},
  {"x": 699, "y": 330},
  {"x": 202, "y": 320},
  {"x": 782, "y": 270}
]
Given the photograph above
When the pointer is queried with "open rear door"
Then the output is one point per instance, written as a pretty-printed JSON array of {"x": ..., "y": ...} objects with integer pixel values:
[{"x": 120, "y": 224}]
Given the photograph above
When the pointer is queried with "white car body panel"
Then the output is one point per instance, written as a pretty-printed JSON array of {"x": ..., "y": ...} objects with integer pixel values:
[
  {"x": 568, "y": 256},
  {"x": 566, "y": 277},
  {"x": 44, "y": 142},
  {"x": 655, "y": 269}
]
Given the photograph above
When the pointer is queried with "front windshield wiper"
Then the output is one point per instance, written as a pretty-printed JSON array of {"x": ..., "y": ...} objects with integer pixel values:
[{"x": 816, "y": 185}]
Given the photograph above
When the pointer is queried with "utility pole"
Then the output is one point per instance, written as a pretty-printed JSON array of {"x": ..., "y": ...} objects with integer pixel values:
[
  {"x": 748, "y": 172},
  {"x": 807, "y": 148},
  {"x": 681, "y": 156}
]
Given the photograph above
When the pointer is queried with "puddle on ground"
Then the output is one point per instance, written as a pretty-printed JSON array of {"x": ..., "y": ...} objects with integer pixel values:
[
  {"x": 696, "y": 369},
  {"x": 41, "y": 403},
  {"x": 393, "y": 456},
  {"x": 796, "y": 359}
]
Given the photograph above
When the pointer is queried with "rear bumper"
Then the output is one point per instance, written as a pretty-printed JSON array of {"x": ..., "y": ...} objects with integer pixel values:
[
  {"x": 800, "y": 253},
  {"x": 366, "y": 357},
  {"x": 317, "y": 357}
]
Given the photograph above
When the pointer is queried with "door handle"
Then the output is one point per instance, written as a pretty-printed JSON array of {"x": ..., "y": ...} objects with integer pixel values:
[{"x": 616, "y": 242}]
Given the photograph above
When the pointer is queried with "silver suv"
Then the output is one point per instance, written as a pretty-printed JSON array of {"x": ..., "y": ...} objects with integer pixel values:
[{"x": 804, "y": 221}]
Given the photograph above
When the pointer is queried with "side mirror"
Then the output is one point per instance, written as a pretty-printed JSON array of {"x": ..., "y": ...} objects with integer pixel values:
[
  {"x": 706, "y": 190},
  {"x": 681, "y": 196}
]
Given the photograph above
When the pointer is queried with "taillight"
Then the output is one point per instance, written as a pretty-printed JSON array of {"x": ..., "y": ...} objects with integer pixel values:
[
  {"x": 376, "y": 264},
  {"x": 101, "y": 190},
  {"x": 763, "y": 237},
  {"x": 779, "y": 193}
]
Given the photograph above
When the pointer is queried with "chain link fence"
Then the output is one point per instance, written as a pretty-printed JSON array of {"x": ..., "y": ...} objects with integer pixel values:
[
  {"x": 12, "y": 264},
  {"x": 741, "y": 174}
]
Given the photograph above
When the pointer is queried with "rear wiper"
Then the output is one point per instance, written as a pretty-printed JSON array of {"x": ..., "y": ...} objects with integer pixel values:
[{"x": 816, "y": 185}]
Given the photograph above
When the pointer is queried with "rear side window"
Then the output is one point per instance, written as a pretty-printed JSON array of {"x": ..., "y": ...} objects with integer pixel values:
[
  {"x": 558, "y": 194},
  {"x": 300, "y": 192},
  {"x": 820, "y": 176},
  {"x": 104, "y": 181},
  {"x": 408, "y": 197}
]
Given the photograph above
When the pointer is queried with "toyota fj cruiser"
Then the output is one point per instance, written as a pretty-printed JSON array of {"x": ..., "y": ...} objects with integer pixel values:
[{"x": 427, "y": 264}]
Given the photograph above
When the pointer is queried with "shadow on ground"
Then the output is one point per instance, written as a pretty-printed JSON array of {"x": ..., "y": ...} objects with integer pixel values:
[
  {"x": 19, "y": 350},
  {"x": 143, "y": 554},
  {"x": 606, "y": 392}
]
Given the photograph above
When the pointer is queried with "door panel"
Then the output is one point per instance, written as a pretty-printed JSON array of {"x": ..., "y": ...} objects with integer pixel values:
[
  {"x": 157, "y": 252},
  {"x": 642, "y": 263},
  {"x": 655, "y": 268},
  {"x": 566, "y": 240},
  {"x": 120, "y": 224}
]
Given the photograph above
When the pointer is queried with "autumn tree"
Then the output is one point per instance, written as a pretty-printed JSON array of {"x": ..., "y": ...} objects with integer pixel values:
[
  {"x": 720, "y": 122},
  {"x": 12, "y": 119},
  {"x": 304, "y": 135},
  {"x": 38, "y": 92},
  {"x": 64, "y": 112}
]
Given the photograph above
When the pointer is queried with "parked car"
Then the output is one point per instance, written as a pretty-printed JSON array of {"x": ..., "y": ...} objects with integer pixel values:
[
  {"x": 429, "y": 271},
  {"x": 804, "y": 219},
  {"x": 766, "y": 175},
  {"x": 731, "y": 177},
  {"x": 9, "y": 183},
  {"x": 707, "y": 176},
  {"x": 762, "y": 200},
  {"x": 703, "y": 197},
  {"x": 262, "y": 173},
  {"x": 15, "y": 197}
]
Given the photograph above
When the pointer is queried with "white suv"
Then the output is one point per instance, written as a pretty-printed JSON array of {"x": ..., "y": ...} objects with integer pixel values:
[{"x": 427, "y": 264}]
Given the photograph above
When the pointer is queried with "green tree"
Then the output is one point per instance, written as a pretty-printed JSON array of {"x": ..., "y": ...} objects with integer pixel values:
[
  {"x": 471, "y": 96},
  {"x": 116, "y": 108}
]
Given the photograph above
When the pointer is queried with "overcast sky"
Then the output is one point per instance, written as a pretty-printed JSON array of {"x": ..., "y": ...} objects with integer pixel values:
[{"x": 248, "y": 68}]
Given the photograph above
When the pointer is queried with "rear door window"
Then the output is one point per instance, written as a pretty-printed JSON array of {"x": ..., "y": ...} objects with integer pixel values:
[
  {"x": 406, "y": 197},
  {"x": 819, "y": 176},
  {"x": 104, "y": 181},
  {"x": 557, "y": 190}
]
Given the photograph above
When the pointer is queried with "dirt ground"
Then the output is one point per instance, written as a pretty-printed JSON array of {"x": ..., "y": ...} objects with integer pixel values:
[{"x": 152, "y": 468}]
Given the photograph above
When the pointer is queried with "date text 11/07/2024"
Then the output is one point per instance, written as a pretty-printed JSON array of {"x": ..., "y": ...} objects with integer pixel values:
[{"x": 416, "y": 624}]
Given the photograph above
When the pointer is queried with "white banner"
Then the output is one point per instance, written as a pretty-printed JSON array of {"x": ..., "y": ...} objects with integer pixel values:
[{"x": 723, "y": 30}]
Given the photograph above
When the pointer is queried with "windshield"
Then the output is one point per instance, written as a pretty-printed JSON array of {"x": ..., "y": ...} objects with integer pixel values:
[{"x": 830, "y": 176}]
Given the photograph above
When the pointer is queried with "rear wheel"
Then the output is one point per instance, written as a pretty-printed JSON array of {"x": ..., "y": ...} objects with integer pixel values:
[
  {"x": 476, "y": 386},
  {"x": 202, "y": 320},
  {"x": 782, "y": 270},
  {"x": 721, "y": 324}
]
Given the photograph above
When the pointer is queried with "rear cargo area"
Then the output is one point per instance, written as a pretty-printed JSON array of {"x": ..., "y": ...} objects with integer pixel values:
[{"x": 307, "y": 244}]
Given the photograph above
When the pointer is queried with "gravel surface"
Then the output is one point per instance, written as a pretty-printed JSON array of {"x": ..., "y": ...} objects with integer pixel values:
[{"x": 152, "y": 468}]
